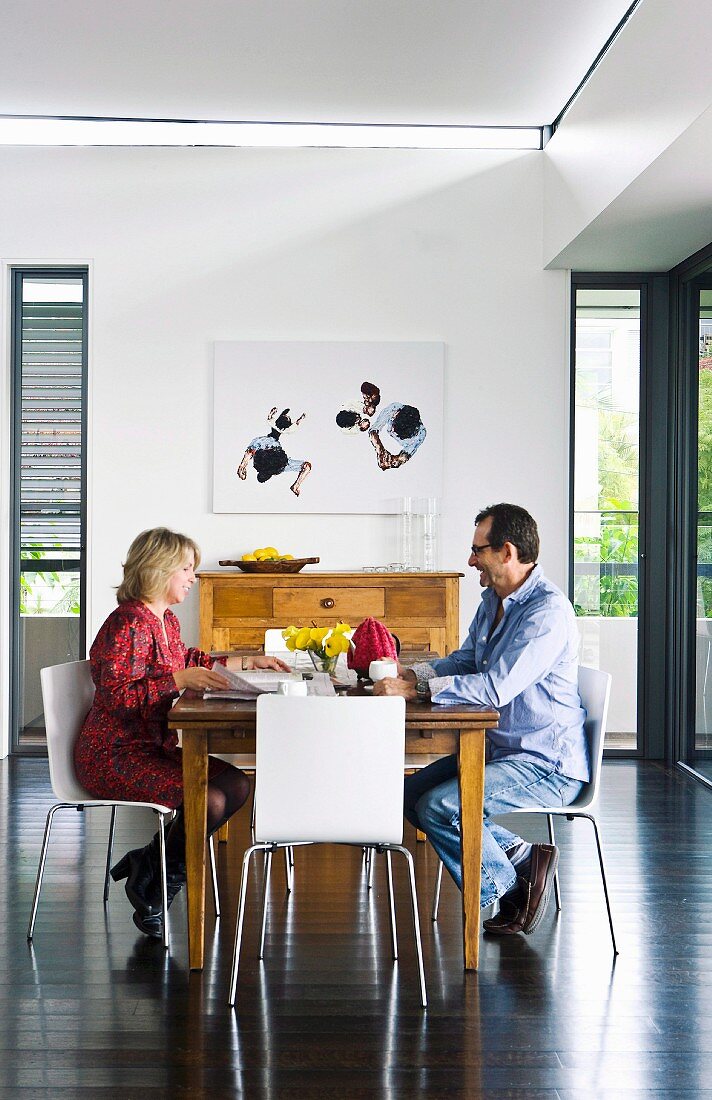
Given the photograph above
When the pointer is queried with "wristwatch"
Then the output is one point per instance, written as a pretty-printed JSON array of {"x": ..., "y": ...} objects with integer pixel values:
[{"x": 422, "y": 689}]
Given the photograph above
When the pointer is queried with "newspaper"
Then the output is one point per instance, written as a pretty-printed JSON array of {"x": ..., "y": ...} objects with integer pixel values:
[{"x": 248, "y": 685}]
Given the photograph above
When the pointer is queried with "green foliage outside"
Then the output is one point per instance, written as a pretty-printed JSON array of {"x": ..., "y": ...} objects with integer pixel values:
[
  {"x": 617, "y": 541},
  {"x": 46, "y": 592}
]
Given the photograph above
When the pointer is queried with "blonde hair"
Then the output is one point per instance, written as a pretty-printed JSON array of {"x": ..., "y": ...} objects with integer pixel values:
[{"x": 152, "y": 558}]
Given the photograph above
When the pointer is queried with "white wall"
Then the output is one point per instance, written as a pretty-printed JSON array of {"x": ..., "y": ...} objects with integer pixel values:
[{"x": 188, "y": 246}]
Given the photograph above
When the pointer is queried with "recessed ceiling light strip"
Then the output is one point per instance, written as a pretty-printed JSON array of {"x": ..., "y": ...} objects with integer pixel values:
[{"x": 33, "y": 130}]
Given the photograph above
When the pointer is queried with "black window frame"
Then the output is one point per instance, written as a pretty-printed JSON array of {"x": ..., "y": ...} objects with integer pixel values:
[{"x": 18, "y": 274}]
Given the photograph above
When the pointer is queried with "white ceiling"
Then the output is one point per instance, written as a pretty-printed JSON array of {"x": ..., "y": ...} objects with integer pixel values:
[{"x": 467, "y": 62}]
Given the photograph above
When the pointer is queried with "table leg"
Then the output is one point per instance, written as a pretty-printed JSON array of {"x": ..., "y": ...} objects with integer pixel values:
[
  {"x": 223, "y": 833},
  {"x": 471, "y": 779},
  {"x": 195, "y": 784}
]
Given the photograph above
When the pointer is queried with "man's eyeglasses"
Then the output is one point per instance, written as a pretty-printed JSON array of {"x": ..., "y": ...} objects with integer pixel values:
[{"x": 477, "y": 550}]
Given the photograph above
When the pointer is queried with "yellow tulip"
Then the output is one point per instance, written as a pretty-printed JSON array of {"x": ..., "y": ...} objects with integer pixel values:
[
  {"x": 318, "y": 633},
  {"x": 291, "y": 644},
  {"x": 341, "y": 628},
  {"x": 290, "y": 632},
  {"x": 303, "y": 638}
]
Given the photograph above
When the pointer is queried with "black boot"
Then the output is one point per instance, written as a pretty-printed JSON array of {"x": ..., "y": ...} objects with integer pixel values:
[
  {"x": 150, "y": 926},
  {"x": 141, "y": 868}
]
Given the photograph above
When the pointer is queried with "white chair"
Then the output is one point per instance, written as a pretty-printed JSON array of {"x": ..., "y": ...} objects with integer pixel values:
[
  {"x": 595, "y": 690},
  {"x": 354, "y": 795},
  {"x": 67, "y": 694}
]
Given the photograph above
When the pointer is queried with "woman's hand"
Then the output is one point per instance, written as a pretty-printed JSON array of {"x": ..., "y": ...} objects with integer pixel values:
[
  {"x": 395, "y": 685},
  {"x": 247, "y": 664},
  {"x": 200, "y": 679},
  {"x": 267, "y": 662}
]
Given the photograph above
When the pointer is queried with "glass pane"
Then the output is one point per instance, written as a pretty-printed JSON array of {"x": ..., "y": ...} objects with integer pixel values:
[
  {"x": 606, "y": 495},
  {"x": 703, "y": 625}
]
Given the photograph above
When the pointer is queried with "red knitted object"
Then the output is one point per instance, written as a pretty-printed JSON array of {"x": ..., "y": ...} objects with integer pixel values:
[{"x": 371, "y": 641}]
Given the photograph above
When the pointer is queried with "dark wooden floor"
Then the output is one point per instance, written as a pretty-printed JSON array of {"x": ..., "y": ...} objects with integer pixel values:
[{"x": 94, "y": 1009}]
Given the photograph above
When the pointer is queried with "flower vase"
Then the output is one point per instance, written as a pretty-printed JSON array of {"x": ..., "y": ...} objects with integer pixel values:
[{"x": 323, "y": 664}]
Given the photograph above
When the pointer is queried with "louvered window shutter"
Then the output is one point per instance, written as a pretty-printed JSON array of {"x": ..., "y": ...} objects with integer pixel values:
[{"x": 50, "y": 482}]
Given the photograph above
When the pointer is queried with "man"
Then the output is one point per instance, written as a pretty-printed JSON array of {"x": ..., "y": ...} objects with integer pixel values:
[{"x": 520, "y": 657}]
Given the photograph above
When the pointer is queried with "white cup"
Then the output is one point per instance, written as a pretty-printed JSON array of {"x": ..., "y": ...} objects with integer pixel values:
[
  {"x": 384, "y": 666},
  {"x": 292, "y": 687}
]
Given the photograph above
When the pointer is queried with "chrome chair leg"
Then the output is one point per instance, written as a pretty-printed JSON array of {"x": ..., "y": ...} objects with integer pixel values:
[
  {"x": 288, "y": 867},
  {"x": 265, "y": 889},
  {"x": 241, "y": 919},
  {"x": 391, "y": 902},
  {"x": 214, "y": 875},
  {"x": 371, "y": 862},
  {"x": 41, "y": 867},
  {"x": 164, "y": 882},
  {"x": 603, "y": 878},
  {"x": 416, "y": 921},
  {"x": 557, "y": 891},
  {"x": 109, "y": 853},
  {"x": 436, "y": 892}
]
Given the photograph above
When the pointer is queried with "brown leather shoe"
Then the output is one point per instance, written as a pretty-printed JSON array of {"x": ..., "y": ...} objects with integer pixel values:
[
  {"x": 535, "y": 890},
  {"x": 545, "y": 860}
]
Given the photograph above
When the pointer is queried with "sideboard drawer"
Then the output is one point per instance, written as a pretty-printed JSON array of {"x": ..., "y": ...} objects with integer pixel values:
[
  {"x": 301, "y": 605},
  {"x": 231, "y": 602}
]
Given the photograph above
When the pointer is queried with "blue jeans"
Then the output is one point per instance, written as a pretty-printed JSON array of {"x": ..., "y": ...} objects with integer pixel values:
[{"x": 432, "y": 803}]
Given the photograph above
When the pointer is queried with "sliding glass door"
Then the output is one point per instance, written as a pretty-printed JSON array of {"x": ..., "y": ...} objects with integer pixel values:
[{"x": 606, "y": 494}]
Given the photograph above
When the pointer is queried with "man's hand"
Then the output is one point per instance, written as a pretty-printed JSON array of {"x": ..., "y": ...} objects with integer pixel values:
[
  {"x": 200, "y": 679},
  {"x": 406, "y": 673},
  {"x": 395, "y": 685}
]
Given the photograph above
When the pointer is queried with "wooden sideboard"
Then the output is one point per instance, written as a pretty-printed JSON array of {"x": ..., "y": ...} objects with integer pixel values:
[{"x": 236, "y": 608}]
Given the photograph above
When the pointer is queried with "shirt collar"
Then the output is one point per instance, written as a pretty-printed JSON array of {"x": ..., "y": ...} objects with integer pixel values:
[{"x": 522, "y": 594}]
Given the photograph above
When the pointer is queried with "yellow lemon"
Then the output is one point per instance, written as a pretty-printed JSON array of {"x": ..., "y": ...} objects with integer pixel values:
[
  {"x": 287, "y": 557},
  {"x": 271, "y": 552},
  {"x": 249, "y": 557}
]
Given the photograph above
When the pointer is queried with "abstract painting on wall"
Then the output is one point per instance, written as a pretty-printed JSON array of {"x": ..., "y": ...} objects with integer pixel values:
[{"x": 326, "y": 426}]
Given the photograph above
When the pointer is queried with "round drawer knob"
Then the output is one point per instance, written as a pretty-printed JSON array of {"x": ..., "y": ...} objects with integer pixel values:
[{"x": 327, "y": 602}]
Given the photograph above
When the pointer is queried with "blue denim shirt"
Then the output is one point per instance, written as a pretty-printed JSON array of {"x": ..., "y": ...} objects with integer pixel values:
[{"x": 527, "y": 671}]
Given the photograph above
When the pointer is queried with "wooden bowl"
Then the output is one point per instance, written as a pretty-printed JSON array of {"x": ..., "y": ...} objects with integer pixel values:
[{"x": 292, "y": 566}]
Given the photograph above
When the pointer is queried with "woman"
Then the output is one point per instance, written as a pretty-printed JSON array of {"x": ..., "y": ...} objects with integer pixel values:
[{"x": 125, "y": 750}]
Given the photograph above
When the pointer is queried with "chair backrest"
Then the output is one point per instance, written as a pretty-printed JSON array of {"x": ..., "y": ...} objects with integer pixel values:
[
  {"x": 595, "y": 690},
  {"x": 330, "y": 769},
  {"x": 274, "y": 642},
  {"x": 67, "y": 694}
]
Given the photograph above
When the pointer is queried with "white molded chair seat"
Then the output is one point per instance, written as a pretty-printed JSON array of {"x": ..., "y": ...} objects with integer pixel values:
[
  {"x": 595, "y": 690},
  {"x": 329, "y": 770},
  {"x": 67, "y": 695}
]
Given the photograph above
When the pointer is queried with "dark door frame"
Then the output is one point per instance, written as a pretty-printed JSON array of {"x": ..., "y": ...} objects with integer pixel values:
[{"x": 686, "y": 281}]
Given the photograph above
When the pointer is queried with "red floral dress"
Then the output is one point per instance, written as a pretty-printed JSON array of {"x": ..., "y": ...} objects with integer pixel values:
[{"x": 125, "y": 749}]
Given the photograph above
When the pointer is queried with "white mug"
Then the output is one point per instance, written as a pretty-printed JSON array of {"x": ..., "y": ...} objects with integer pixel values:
[
  {"x": 292, "y": 687},
  {"x": 384, "y": 666}
]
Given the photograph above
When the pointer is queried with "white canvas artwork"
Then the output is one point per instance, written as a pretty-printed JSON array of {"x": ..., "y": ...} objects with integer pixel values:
[{"x": 326, "y": 427}]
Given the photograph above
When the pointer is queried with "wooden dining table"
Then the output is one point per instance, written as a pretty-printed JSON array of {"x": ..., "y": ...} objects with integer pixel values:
[{"x": 229, "y": 726}]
